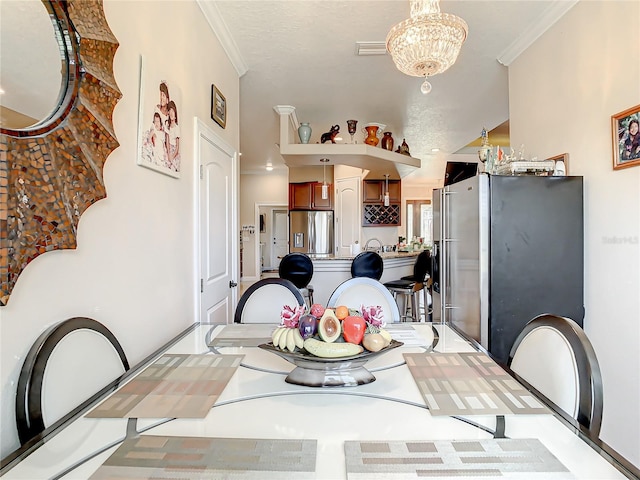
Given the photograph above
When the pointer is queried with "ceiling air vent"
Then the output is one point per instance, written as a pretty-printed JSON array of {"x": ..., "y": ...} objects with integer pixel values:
[{"x": 371, "y": 48}]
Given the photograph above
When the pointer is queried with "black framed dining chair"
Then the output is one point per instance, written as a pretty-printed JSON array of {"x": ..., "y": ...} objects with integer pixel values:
[
  {"x": 263, "y": 301},
  {"x": 367, "y": 264},
  {"x": 67, "y": 364},
  {"x": 298, "y": 268},
  {"x": 355, "y": 292},
  {"x": 553, "y": 355}
]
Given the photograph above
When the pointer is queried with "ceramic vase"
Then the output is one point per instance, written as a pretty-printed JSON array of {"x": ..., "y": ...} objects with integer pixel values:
[
  {"x": 387, "y": 141},
  {"x": 304, "y": 132},
  {"x": 372, "y": 135}
]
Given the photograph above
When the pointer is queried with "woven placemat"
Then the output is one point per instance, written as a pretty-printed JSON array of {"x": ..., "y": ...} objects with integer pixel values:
[
  {"x": 469, "y": 384},
  {"x": 489, "y": 458},
  {"x": 239, "y": 335},
  {"x": 174, "y": 386},
  {"x": 164, "y": 457}
]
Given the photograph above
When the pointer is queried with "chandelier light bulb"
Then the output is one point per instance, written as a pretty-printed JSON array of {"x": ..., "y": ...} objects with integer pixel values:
[{"x": 425, "y": 88}]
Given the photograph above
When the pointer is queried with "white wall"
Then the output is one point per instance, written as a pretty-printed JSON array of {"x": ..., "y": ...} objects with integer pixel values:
[
  {"x": 133, "y": 269},
  {"x": 270, "y": 188},
  {"x": 562, "y": 93}
]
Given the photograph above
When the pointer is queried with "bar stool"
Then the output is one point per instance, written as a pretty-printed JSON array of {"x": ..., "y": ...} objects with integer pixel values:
[
  {"x": 298, "y": 269},
  {"x": 407, "y": 288},
  {"x": 367, "y": 264}
]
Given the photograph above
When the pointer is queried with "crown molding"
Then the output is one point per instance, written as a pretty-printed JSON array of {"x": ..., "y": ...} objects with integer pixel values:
[
  {"x": 291, "y": 112},
  {"x": 221, "y": 30},
  {"x": 549, "y": 17}
]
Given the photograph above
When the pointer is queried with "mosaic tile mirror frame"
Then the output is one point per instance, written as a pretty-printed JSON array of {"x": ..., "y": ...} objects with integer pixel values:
[{"x": 51, "y": 172}]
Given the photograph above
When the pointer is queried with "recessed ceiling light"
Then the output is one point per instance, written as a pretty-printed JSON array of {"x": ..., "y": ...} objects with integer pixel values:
[
  {"x": 269, "y": 168},
  {"x": 434, "y": 150}
]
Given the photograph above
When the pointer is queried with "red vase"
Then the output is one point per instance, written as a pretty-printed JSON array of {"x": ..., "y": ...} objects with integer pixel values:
[
  {"x": 387, "y": 141},
  {"x": 372, "y": 138}
]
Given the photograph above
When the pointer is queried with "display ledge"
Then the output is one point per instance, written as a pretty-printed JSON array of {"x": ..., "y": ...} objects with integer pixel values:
[
  {"x": 358, "y": 155},
  {"x": 387, "y": 255}
]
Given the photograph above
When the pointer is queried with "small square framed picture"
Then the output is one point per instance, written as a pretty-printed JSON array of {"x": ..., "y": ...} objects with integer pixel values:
[
  {"x": 625, "y": 129},
  {"x": 218, "y": 107}
]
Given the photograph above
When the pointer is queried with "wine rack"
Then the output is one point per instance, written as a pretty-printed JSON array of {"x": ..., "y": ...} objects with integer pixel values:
[{"x": 376, "y": 214}]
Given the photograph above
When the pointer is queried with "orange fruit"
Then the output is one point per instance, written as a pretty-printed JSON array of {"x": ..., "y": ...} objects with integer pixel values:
[{"x": 342, "y": 312}]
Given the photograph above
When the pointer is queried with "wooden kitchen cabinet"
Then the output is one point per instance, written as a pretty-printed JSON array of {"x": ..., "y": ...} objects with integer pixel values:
[
  {"x": 374, "y": 212},
  {"x": 308, "y": 196},
  {"x": 373, "y": 191},
  {"x": 300, "y": 196},
  {"x": 319, "y": 203}
]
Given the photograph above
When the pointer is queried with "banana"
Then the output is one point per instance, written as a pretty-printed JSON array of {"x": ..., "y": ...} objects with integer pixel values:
[
  {"x": 282, "y": 341},
  {"x": 331, "y": 350},
  {"x": 291, "y": 344},
  {"x": 297, "y": 338},
  {"x": 276, "y": 335}
]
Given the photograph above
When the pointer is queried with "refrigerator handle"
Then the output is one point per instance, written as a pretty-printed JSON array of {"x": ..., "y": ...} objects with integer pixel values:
[
  {"x": 311, "y": 228},
  {"x": 444, "y": 252}
]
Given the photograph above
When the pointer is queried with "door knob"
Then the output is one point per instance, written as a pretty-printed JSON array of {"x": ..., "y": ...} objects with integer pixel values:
[{"x": 232, "y": 284}]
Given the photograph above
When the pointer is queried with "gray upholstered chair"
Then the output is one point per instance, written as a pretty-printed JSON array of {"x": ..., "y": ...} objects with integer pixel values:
[
  {"x": 365, "y": 291},
  {"x": 67, "y": 364},
  {"x": 554, "y": 356},
  {"x": 262, "y": 302}
]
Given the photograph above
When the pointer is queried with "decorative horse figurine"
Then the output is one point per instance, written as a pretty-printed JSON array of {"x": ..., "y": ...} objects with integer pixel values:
[{"x": 330, "y": 135}]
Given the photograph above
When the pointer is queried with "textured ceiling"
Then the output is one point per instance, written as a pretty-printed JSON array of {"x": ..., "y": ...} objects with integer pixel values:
[{"x": 302, "y": 53}]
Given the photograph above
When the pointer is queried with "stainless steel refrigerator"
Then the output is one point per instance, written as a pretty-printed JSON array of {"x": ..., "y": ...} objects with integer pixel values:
[
  {"x": 507, "y": 248},
  {"x": 311, "y": 232}
]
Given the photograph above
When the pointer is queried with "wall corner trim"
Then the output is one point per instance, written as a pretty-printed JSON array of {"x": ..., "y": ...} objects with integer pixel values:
[
  {"x": 221, "y": 30},
  {"x": 550, "y": 16}
]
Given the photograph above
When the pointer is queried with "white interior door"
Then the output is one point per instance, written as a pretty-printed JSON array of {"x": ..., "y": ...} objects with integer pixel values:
[
  {"x": 347, "y": 216},
  {"x": 280, "y": 237},
  {"x": 218, "y": 175}
]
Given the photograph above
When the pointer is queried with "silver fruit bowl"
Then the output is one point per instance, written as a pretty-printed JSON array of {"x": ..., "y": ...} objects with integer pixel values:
[{"x": 312, "y": 371}]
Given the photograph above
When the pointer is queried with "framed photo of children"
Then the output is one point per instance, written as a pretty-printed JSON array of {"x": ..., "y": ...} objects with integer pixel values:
[
  {"x": 159, "y": 138},
  {"x": 218, "y": 107},
  {"x": 625, "y": 127}
]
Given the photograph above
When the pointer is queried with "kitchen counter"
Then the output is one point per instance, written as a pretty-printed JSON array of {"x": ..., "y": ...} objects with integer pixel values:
[{"x": 331, "y": 271}]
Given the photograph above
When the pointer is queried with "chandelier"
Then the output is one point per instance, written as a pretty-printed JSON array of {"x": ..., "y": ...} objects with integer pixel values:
[{"x": 428, "y": 43}]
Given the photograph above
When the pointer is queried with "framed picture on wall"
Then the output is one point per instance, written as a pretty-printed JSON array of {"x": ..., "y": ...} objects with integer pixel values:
[
  {"x": 625, "y": 129},
  {"x": 159, "y": 112},
  {"x": 218, "y": 107},
  {"x": 561, "y": 164}
]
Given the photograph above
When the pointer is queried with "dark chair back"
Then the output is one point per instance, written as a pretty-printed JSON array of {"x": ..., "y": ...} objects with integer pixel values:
[
  {"x": 297, "y": 268},
  {"x": 367, "y": 264},
  {"x": 422, "y": 266}
]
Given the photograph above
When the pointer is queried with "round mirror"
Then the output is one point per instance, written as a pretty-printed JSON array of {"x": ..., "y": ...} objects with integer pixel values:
[
  {"x": 31, "y": 64},
  {"x": 52, "y": 169}
]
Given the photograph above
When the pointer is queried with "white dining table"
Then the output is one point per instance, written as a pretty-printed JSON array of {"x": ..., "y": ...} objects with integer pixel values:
[{"x": 297, "y": 431}]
